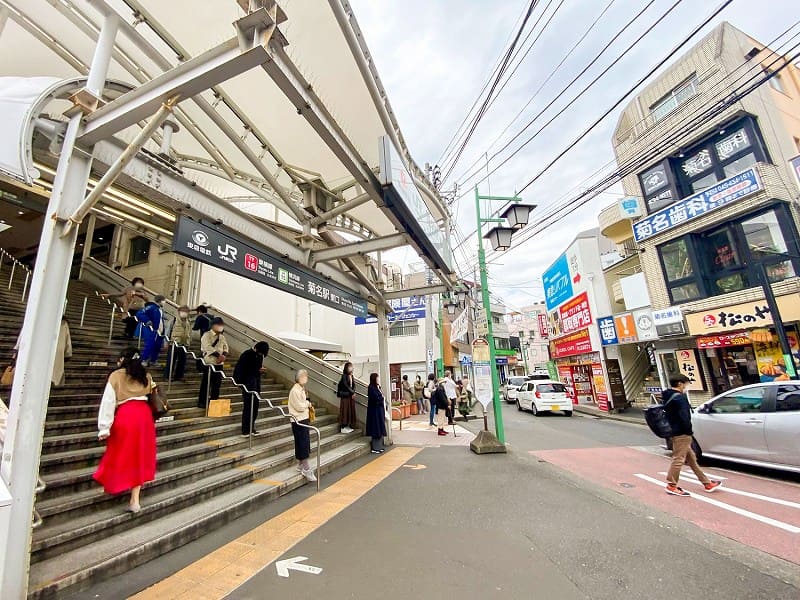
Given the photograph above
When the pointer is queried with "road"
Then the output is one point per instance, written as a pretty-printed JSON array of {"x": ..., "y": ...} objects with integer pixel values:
[{"x": 563, "y": 515}]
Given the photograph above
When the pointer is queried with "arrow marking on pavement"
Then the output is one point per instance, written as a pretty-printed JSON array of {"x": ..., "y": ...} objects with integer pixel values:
[
  {"x": 283, "y": 566},
  {"x": 415, "y": 467},
  {"x": 730, "y": 490},
  {"x": 733, "y": 509}
]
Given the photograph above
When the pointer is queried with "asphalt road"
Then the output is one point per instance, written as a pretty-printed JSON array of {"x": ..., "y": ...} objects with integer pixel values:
[{"x": 520, "y": 526}]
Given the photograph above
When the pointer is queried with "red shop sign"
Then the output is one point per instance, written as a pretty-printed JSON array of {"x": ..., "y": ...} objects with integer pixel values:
[
  {"x": 576, "y": 343},
  {"x": 575, "y": 314},
  {"x": 723, "y": 339},
  {"x": 543, "y": 331}
]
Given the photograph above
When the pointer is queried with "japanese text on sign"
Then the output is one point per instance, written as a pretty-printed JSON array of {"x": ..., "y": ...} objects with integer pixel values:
[
  {"x": 575, "y": 314},
  {"x": 608, "y": 332},
  {"x": 725, "y": 192}
]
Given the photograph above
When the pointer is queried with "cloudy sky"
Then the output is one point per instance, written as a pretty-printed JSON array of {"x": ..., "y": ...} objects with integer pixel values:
[{"x": 434, "y": 56}]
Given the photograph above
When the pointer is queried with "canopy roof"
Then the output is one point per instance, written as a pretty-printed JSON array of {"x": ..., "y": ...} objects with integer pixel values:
[{"x": 244, "y": 138}]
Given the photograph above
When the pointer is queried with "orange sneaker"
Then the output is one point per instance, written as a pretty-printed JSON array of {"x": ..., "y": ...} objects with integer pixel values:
[
  {"x": 712, "y": 485},
  {"x": 676, "y": 491}
]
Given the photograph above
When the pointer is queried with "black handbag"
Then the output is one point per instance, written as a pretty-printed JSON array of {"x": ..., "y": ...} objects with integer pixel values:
[{"x": 159, "y": 405}]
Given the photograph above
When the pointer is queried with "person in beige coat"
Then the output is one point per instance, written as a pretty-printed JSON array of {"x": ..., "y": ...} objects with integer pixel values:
[{"x": 298, "y": 408}]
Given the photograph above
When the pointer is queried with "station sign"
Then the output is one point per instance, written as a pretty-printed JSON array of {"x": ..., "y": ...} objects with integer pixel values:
[
  {"x": 403, "y": 309},
  {"x": 220, "y": 248}
]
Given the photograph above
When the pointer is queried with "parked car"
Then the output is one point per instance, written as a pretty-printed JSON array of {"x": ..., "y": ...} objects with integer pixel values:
[
  {"x": 539, "y": 374},
  {"x": 755, "y": 424},
  {"x": 540, "y": 396},
  {"x": 510, "y": 387}
]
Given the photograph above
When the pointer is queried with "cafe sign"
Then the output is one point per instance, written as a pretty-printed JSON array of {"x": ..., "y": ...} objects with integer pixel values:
[{"x": 748, "y": 315}]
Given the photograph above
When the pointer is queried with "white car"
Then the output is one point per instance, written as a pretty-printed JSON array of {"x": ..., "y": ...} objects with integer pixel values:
[
  {"x": 540, "y": 396},
  {"x": 511, "y": 386},
  {"x": 755, "y": 424}
]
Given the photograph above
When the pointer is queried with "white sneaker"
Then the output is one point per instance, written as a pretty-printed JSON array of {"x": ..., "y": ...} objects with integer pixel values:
[
  {"x": 347, "y": 430},
  {"x": 309, "y": 475}
]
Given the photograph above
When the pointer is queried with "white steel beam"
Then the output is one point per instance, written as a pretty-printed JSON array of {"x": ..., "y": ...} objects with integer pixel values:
[
  {"x": 339, "y": 209},
  {"x": 424, "y": 291},
  {"x": 358, "y": 248},
  {"x": 186, "y": 80}
]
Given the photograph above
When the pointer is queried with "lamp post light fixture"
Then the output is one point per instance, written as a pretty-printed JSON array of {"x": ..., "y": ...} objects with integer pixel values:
[{"x": 513, "y": 219}]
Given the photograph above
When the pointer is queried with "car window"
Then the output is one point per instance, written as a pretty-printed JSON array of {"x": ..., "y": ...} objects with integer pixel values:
[
  {"x": 740, "y": 401},
  {"x": 550, "y": 388},
  {"x": 787, "y": 398},
  {"x": 516, "y": 381},
  {"x": 525, "y": 387},
  {"x": 540, "y": 376}
]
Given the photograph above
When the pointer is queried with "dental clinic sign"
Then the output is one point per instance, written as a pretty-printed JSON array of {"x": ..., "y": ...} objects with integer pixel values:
[
  {"x": 213, "y": 246},
  {"x": 709, "y": 200}
]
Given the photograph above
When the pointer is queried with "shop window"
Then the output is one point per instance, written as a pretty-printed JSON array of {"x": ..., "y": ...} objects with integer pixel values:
[
  {"x": 674, "y": 99},
  {"x": 740, "y": 401},
  {"x": 766, "y": 238},
  {"x": 788, "y": 398},
  {"x": 404, "y": 329},
  {"x": 139, "y": 252}
]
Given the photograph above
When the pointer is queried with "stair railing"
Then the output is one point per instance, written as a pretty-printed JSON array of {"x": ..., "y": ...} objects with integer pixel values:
[
  {"x": 635, "y": 375},
  {"x": 15, "y": 264}
]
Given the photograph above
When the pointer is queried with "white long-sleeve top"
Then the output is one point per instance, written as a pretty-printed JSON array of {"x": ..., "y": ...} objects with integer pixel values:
[{"x": 119, "y": 390}]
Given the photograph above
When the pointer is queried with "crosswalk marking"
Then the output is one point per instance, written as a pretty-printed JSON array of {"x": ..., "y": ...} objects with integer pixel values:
[
  {"x": 728, "y": 490},
  {"x": 729, "y": 507}
]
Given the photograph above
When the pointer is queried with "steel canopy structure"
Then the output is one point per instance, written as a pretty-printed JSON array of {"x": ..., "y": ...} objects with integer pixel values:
[{"x": 251, "y": 101}]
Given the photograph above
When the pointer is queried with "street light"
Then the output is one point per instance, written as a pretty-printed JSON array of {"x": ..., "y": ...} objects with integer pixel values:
[
  {"x": 500, "y": 237},
  {"x": 517, "y": 214}
]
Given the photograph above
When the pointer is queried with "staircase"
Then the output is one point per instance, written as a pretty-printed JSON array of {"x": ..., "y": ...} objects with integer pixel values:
[{"x": 208, "y": 475}]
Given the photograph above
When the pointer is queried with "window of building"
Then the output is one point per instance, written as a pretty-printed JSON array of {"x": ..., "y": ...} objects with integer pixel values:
[
  {"x": 404, "y": 328},
  {"x": 532, "y": 333},
  {"x": 502, "y": 343},
  {"x": 775, "y": 82},
  {"x": 721, "y": 260},
  {"x": 674, "y": 99},
  {"x": 139, "y": 252}
]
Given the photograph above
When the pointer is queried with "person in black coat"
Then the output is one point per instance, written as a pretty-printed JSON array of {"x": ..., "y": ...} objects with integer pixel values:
[
  {"x": 443, "y": 404},
  {"x": 247, "y": 372},
  {"x": 346, "y": 391},
  {"x": 376, "y": 414}
]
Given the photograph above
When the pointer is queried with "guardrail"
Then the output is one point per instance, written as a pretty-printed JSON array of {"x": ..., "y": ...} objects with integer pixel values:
[{"x": 15, "y": 264}]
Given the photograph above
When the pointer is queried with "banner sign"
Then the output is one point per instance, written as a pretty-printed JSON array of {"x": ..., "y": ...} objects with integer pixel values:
[
  {"x": 543, "y": 330},
  {"x": 575, "y": 314},
  {"x": 557, "y": 283},
  {"x": 608, "y": 331},
  {"x": 212, "y": 246},
  {"x": 459, "y": 327},
  {"x": 404, "y": 309},
  {"x": 687, "y": 365},
  {"x": 688, "y": 209},
  {"x": 575, "y": 343}
]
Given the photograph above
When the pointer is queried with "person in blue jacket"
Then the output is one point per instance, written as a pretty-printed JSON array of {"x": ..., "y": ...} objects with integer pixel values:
[
  {"x": 151, "y": 330},
  {"x": 376, "y": 414}
]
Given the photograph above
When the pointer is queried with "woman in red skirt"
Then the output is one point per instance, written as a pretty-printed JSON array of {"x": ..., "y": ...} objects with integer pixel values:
[{"x": 126, "y": 423}]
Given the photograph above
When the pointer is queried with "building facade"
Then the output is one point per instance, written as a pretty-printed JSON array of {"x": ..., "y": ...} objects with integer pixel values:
[
  {"x": 529, "y": 326},
  {"x": 717, "y": 211}
]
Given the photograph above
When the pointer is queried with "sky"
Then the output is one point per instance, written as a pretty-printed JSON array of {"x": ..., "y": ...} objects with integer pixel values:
[{"x": 434, "y": 56}]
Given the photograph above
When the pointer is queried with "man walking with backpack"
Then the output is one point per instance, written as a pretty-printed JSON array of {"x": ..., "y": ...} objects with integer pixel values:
[{"x": 679, "y": 414}]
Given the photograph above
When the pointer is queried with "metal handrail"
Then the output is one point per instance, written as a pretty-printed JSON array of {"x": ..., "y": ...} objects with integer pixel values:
[{"x": 14, "y": 263}]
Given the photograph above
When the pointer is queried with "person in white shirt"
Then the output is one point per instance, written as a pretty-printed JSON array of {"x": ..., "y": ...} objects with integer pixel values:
[
  {"x": 299, "y": 409},
  {"x": 451, "y": 389}
]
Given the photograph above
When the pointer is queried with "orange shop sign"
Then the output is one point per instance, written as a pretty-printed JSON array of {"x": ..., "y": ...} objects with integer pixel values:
[
  {"x": 572, "y": 344},
  {"x": 626, "y": 328}
]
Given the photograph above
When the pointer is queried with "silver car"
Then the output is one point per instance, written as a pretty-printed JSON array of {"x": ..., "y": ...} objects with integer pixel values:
[
  {"x": 511, "y": 386},
  {"x": 755, "y": 425}
]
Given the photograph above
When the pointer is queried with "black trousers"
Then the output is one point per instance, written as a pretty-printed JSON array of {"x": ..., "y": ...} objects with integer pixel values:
[
  {"x": 209, "y": 393},
  {"x": 130, "y": 324},
  {"x": 178, "y": 358},
  {"x": 249, "y": 403},
  {"x": 302, "y": 440}
]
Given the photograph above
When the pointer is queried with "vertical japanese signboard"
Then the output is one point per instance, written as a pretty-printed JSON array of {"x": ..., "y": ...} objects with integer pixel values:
[
  {"x": 687, "y": 365},
  {"x": 482, "y": 368}
]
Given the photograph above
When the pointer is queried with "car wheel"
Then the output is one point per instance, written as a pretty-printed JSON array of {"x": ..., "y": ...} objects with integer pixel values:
[
  {"x": 519, "y": 406},
  {"x": 534, "y": 410},
  {"x": 568, "y": 413}
]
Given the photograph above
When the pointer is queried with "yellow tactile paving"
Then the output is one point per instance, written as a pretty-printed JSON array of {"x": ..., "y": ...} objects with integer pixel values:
[{"x": 219, "y": 573}]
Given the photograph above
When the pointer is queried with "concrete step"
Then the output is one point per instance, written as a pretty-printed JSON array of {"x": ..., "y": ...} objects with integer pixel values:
[
  {"x": 115, "y": 555},
  {"x": 52, "y": 540}
]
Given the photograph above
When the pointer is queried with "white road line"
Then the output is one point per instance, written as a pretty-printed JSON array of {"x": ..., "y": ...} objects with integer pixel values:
[
  {"x": 728, "y": 507},
  {"x": 691, "y": 474},
  {"x": 729, "y": 490}
]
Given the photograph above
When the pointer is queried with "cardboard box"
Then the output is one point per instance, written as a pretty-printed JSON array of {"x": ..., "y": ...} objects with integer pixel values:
[{"x": 219, "y": 408}]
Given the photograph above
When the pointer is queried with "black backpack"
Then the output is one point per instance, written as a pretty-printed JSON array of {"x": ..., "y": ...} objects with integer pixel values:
[{"x": 656, "y": 418}]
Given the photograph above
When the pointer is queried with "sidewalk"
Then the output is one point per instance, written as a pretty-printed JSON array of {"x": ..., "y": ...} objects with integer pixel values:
[
  {"x": 417, "y": 432},
  {"x": 634, "y": 414}
]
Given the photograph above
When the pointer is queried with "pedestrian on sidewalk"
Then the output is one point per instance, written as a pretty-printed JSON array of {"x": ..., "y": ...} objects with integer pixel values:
[
  {"x": 679, "y": 415},
  {"x": 214, "y": 348},
  {"x": 346, "y": 392},
  {"x": 133, "y": 298},
  {"x": 299, "y": 409},
  {"x": 247, "y": 372},
  {"x": 376, "y": 414},
  {"x": 63, "y": 352},
  {"x": 451, "y": 389},
  {"x": 418, "y": 387},
  {"x": 408, "y": 390},
  {"x": 181, "y": 336},
  {"x": 151, "y": 330},
  {"x": 442, "y": 403},
  {"x": 430, "y": 388},
  {"x": 126, "y": 422}
]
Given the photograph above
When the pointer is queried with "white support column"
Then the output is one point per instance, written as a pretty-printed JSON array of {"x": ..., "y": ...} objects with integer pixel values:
[
  {"x": 21, "y": 454},
  {"x": 87, "y": 242},
  {"x": 3, "y": 18}
]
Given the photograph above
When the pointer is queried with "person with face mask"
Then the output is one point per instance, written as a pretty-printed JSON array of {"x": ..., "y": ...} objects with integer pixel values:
[
  {"x": 346, "y": 391},
  {"x": 247, "y": 372},
  {"x": 214, "y": 348},
  {"x": 151, "y": 330},
  {"x": 181, "y": 336},
  {"x": 133, "y": 298},
  {"x": 299, "y": 409}
]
